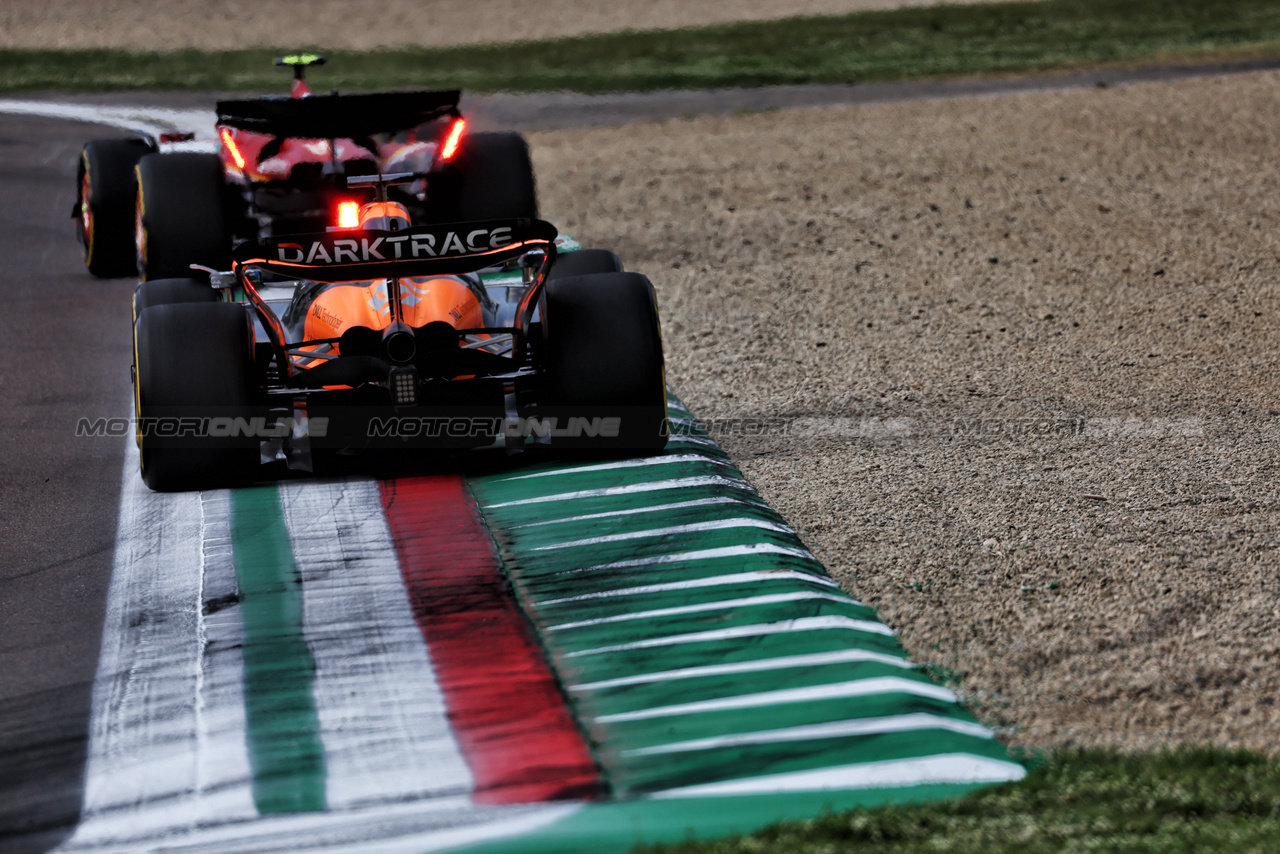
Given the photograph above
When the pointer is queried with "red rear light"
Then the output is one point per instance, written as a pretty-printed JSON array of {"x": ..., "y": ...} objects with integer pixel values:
[
  {"x": 232, "y": 149},
  {"x": 348, "y": 214},
  {"x": 450, "y": 146}
]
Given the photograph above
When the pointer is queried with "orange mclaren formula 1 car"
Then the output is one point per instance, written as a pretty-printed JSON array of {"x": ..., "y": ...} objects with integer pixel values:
[
  {"x": 153, "y": 206},
  {"x": 389, "y": 335}
]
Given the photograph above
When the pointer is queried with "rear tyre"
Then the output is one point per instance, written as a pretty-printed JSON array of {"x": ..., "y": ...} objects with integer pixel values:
[
  {"x": 170, "y": 292},
  {"x": 496, "y": 178},
  {"x": 180, "y": 216},
  {"x": 602, "y": 351},
  {"x": 104, "y": 215},
  {"x": 194, "y": 363},
  {"x": 584, "y": 262}
]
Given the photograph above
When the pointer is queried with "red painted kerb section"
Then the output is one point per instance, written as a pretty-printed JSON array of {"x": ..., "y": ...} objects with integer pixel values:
[{"x": 510, "y": 717}]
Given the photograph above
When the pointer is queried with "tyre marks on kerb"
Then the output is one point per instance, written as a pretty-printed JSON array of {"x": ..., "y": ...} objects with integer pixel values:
[
  {"x": 167, "y": 748},
  {"x": 220, "y": 706},
  {"x": 170, "y": 750},
  {"x": 283, "y": 728},
  {"x": 374, "y": 681}
]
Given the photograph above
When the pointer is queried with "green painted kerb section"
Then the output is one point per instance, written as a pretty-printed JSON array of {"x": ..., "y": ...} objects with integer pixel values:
[
  {"x": 282, "y": 727},
  {"x": 723, "y": 679},
  {"x": 614, "y": 828}
]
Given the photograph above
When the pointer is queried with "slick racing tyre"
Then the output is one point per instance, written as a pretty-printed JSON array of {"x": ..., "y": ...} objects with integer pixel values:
[
  {"x": 584, "y": 262},
  {"x": 104, "y": 210},
  {"x": 181, "y": 215},
  {"x": 602, "y": 352},
  {"x": 170, "y": 291},
  {"x": 496, "y": 178},
  {"x": 193, "y": 367}
]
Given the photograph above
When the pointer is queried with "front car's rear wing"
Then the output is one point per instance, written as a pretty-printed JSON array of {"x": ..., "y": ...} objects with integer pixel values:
[
  {"x": 426, "y": 250},
  {"x": 338, "y": 116}
]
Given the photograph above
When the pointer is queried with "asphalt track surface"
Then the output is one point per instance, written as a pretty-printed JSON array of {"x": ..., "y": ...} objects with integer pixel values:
[{"x": 65, "y": 351}]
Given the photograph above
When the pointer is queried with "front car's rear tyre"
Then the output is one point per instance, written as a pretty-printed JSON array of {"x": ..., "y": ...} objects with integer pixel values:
[
  {"x": 193, "y": 380},
  {"x": 181, "y": 216},
  {"x": 602, "y": 354},
  {"x": 495, "y": 178},
  {"x": 583, "y": 262},
  {"x": 104, "y": 213}
]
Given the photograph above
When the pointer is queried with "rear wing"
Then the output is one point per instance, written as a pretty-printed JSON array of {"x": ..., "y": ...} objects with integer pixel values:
[
  {"x": 425, "y": 250},
  {"x": 338, "y": 116},
  {"x": 362, "y": 254}
]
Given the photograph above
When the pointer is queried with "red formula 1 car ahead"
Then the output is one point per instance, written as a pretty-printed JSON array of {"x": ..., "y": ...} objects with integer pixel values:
[
  {"x": 148, "y": 207},
  {"x": 389, "y": 335}
]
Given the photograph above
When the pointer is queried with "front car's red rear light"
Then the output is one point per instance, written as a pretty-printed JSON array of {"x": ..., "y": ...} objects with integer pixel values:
[
  {"x": 232, "y": 149},
  {"x": 450, "y": 145}
]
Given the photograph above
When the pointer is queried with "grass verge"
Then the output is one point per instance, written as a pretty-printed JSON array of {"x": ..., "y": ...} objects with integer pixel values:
[
  {"x": 1189, "y": 800},
  {"x": 902, "y": 44}
]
